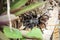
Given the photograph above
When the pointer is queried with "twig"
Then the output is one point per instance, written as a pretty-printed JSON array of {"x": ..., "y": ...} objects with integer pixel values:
[{"x": 8, "y": 13}]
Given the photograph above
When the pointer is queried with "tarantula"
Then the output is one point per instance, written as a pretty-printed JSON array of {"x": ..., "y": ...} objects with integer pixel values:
[{"x": 31, "y": 20}]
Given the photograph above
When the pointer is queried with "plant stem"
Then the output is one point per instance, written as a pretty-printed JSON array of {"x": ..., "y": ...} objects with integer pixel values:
[{"x": 8, "y": 13}]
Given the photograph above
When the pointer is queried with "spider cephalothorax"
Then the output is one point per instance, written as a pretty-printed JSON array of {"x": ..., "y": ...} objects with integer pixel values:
[{"x": 29, "y": 20}]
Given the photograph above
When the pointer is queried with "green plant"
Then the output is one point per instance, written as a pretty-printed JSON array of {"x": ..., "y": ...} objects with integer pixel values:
[
  {"x": 29, "y": 7},
  {"x": 35, "y": 33},
  {"x": 18, "y": 4},
  {"x": 14, "y": 33}
]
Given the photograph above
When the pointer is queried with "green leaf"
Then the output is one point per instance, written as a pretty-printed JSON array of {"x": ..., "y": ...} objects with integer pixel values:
[
  {"x": 12, "y": 34},
  {"x": 23, "y": 39},
  {"x": 35, "y": 33},
  {"x": 18, "y": 4},
  {"x": 13, "y": 3},
  {"x": 29, "y": 7}
]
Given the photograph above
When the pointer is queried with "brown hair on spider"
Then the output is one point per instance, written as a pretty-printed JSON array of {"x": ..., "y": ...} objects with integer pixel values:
[{"x": 42, "y": 21}]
